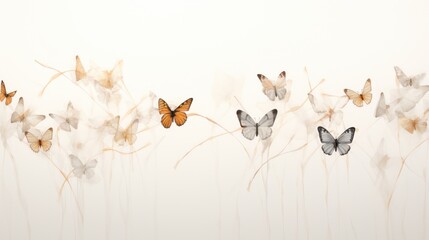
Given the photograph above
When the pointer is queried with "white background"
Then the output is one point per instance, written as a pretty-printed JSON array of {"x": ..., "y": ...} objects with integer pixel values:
[{"x": 212, "y": 51}]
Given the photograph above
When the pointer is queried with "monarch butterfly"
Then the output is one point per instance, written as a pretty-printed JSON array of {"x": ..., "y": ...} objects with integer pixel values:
[
  {"x": 71, "y": 119},
  {"x": 127, "y": 135},
  {"x": 365, "y": 96},
  {"x": 177, "y": 115},
  {"x": 80, "y": 169},
  {"x": 252, "y": 129},
  {"x": 37, "y": 140},
  {"x": 4, "y": 95},
  {"x": 273, "y": 90},
  {"x": 341, "y": 143},
  {"x": 79, "y": 71},
  {"x": 408, "y": 81}
]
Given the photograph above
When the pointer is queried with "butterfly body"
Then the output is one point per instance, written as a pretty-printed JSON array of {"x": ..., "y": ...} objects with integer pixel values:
[
  {"x": 251, "y": 129},
  {"x": 177, "y": 115},
  {"x": 340, "y": 144}
]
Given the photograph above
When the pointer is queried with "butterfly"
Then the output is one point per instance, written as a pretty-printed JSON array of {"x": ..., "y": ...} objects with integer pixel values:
[
  {"x": 341, "y": 143},
  {"x": 37, "y": 140},
  {"x": 408, "y": 81},
  {"x": 24, "y": 116},
  {"x": 177, "y": 115},
  {"x": 412, "y": 124},
  {"x": 384, "y": 109},
  {"x": 252, "y": 129},
  {"x": 71, "y": 119},
  {"x": 127, "y": 135},
  {"x": 273, "y": 90},
  {"x": 409, "y": 97},
  {"x": 80, "y": 169},
  {"x": 79, "y": 71},
  {"x": 109, "y": 79},
  {"x": 365, "y": 96},
  {"x": 328, "y": 108},
  {"x": 4, "y": 95}
]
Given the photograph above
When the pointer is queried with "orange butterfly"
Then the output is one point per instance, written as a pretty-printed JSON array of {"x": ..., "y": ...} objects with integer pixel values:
[
  {"x": 5, "y": 95},
  {"x": 177, "y": 115},
  {"x": 365, "y": 96},
  {"x": 79, "y": 71}
]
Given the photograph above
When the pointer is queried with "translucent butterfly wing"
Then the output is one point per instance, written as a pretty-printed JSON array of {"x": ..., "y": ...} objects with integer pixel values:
[
  {"x": 407, "y": 81},
  {"x": 383, "y": 109},
  {"x": 248, "y": 125},
  {"x": 265, "y": 124},
  {"x": 366, "y": 92},
  {"x": 327, "y": 139},
  {"x": 409, "y": 97},
  {"x": 46, "y": 140},
  {"x": 63, "y": 124},
  {"x": 72, "y": 116},
  {"x": 131, "y": 135},
  {"x": 33, "y": 140},
  {"x": 344, "y": 140},
  {"x": 19, "y": 111},
  {"x": 78, "y": 167},
  {"x": 318, "y": 106},
  {"x": 79, "y": 71},
  {"x": 355, "y": 97},
  {"x": 267, "y": 87},
  {"x": 89, "y": 168},
  {"x": 280, "y": 86}
]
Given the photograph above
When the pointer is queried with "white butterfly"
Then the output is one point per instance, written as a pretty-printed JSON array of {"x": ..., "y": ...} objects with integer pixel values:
[
  {"x": 408, "y": 81},
  {"x": 80, "y": 169},
  {"x": 329, "y": 109},
  {"x": 409, "y": 97},
  {"x": 127, "y": 135},
  {"x": 71, "y": 119},
  {"x": 341, "y": 143},
  {"x": 24, "y": 116},
  {"x": 273, "y": 90},
  {"x": 252, "y": 129},
  {"x": 383, "y": 109}
]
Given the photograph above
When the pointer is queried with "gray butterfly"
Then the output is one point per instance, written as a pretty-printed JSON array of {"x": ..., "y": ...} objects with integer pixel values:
[{"x": 341, "y": 143}]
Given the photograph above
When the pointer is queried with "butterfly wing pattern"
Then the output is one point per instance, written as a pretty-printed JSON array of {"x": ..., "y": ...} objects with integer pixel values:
[
  {"x": 408, "y": 81},
  {"x": 5, "y": 95},
  {"x": 37, "y": 142},
  {"x": 261, "y": 129},
  {"x": 178, "y": 115},
  {"x": 365, "y": 96},
  {"x": 341, "y": 143},
  {"x": 272, "y": 90}
]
